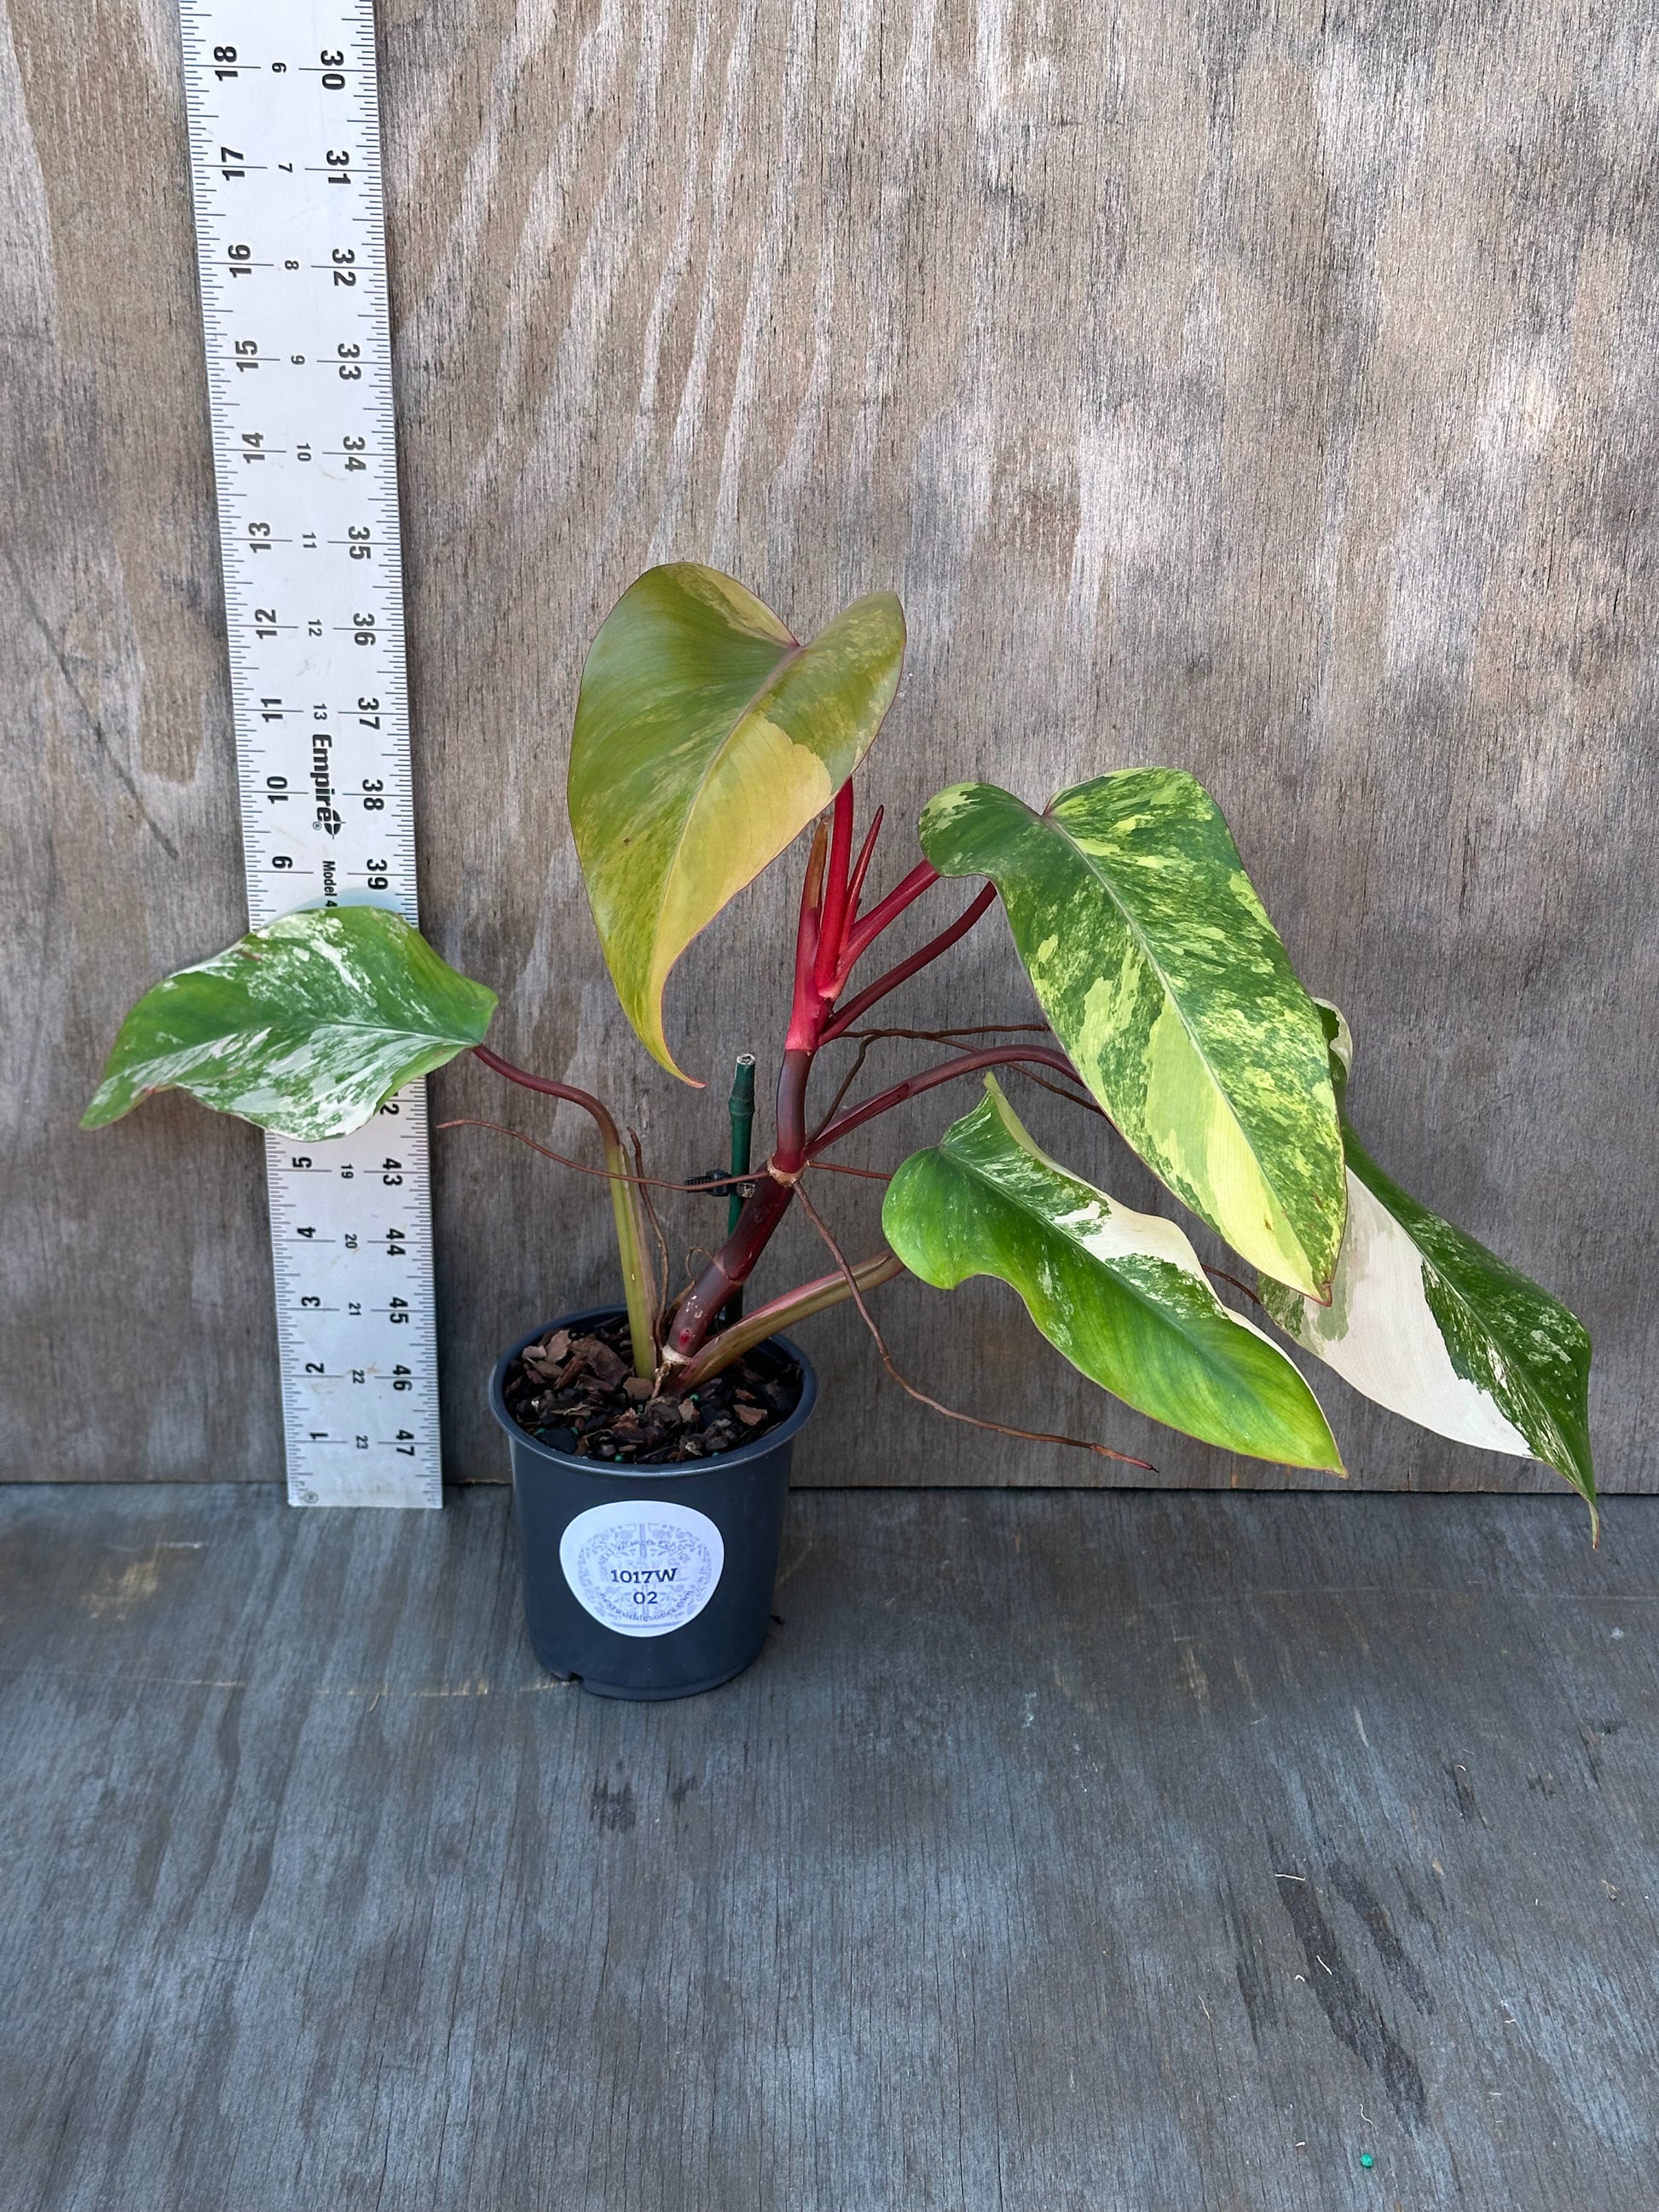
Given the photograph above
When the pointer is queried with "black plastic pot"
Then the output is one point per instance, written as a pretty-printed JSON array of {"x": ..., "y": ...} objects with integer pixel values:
[{"x": 649, "y": 1582}]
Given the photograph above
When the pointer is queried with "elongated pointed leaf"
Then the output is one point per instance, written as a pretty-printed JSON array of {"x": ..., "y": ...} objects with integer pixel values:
[
  {"x": 1165, "y": 981},
  {"x": 1121, "y": 1293},
  {"x": 707, "y": 738},
  {"x": 1431, "y": 1324},
  {"x": 304, "y": 1026}
]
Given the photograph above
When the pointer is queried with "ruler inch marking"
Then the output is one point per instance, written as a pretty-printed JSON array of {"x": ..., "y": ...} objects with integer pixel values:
[{"x": 300, "y": 387}]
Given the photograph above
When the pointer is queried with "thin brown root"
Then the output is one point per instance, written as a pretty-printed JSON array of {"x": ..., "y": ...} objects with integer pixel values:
[
  {"x": 1222, "y": 1276},
  {"x": 865, "y": 1038},
  {"x": 604, "y": 1175},
  {"x": 848, "y": 1080},
  {"x": 1000, "y": 1428}
]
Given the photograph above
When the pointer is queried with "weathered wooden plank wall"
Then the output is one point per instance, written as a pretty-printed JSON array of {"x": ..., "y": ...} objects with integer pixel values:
[{"x": 1269, "y": 391}]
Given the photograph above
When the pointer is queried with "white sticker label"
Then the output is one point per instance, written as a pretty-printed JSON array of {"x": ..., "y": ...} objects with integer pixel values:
[{"x": 642, "y": 1566}]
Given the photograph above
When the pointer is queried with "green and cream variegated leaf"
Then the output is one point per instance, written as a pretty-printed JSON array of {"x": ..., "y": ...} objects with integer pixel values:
[
  {"x": 1120, "y": 1294},
  {"x": 707, "y": 738},
  {"x": 1429, "y": 1324},
  {"x": 304, "y": 1026},
  {"x": 1166, "y": 982}
]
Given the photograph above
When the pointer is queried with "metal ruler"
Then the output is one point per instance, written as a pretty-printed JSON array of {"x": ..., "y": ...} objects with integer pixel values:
[{"x": 285, "y": 163}]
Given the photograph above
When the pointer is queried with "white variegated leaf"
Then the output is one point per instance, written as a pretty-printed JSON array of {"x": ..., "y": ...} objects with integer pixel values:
[
  {"x": 1429, "y": 1324},
  {"x": 306, "y": 1025}
]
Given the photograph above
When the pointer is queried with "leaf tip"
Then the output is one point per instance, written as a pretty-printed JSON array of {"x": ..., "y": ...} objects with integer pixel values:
[{"x": 666, "y": 1060}]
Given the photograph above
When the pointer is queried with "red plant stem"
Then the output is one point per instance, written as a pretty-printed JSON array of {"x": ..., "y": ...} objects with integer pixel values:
[
  {"x": 731, "y": 1266},
  {"x": 832, "y": 926},
  {"x": 763, "y": 1209},
  {"x": 806, "y": 1007},
  {"x": 769, "y": 1202},
  {"x": 861, "y": 866},
  {"x": 847, "y": 1015},
  {"x": 585, "y": 1099},
  {"x": 828, "y": 942},
  {"x": 946, "y": 1071},
  {"x": 789, "y": 1152},
  {"x": 863, "y": 934}
]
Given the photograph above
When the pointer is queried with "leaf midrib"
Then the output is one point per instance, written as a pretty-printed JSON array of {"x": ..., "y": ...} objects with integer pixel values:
[{"x": 274, "y": 1028}]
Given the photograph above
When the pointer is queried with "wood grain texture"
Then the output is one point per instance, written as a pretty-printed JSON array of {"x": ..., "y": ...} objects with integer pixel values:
[
  {"x": 1269, "y": 392},
  {"x": 1063, "y": 1852}
]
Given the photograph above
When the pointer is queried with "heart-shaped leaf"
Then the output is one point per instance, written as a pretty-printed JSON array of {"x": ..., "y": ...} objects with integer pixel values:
[
  {"x": 1121, "y": 1293},
  {"x": 304, "y": 1026},
  {"x": 1167, "y": 984},
  {"x": 1433, "y": 1325},
  {"x": 707, "y": 738}
]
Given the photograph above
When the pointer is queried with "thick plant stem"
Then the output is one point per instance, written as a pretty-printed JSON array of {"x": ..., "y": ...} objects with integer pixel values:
[
  {"x": 624, "y": 1204},
  {"x": 731, "y": 1266},
  {"x": 783, "y": 1312},
  {"x": 762, "y": 1211},
  {"x": 829, "y": 938},
  {"x": 789, "y": 1154}
]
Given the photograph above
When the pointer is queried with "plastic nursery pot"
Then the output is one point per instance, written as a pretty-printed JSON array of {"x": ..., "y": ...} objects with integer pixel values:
[{"x": 649, "y": 1582}]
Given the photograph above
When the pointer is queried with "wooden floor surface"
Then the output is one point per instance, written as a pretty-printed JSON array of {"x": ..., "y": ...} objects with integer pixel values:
[{"x": 1123, "y": 1852}]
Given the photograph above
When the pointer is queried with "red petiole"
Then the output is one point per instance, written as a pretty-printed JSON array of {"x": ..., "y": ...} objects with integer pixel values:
[
  {"x": 831, "y": 937},
  {"x": 929, "y": 952},
  {"x": 969, "y": 1063}
]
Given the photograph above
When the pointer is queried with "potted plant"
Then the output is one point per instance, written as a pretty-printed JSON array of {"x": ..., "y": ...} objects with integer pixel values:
[{"x": 651, "y": 1442}]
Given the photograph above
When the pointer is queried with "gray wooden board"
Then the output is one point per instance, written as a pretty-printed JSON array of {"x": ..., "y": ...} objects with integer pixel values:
[
  {"x": 1272, "y": 391},
  {"x": 1123, "y": 1852}
]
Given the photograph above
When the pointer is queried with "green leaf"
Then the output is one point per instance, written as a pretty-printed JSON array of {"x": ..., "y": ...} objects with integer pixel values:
[
  {"x": 304, "y": 1026},
  {"x": 1165, "y": 980},
  {"x": 1433, "y": 1325},
  {"x": 707, "y": 738},
  {"x": 1121, "y": 1293}
]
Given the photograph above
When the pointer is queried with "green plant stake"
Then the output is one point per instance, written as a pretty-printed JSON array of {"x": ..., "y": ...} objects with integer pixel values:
[{"x": 741, "y": 1106}]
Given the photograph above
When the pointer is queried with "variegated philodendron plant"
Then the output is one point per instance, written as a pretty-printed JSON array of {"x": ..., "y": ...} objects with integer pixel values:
[{"x": 707, "y": 739}]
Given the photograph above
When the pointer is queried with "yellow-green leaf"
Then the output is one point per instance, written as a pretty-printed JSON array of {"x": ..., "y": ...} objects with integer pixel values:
[
  {"x": 1167, "y": 984},
  {"x": 707, "y": 738}
]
